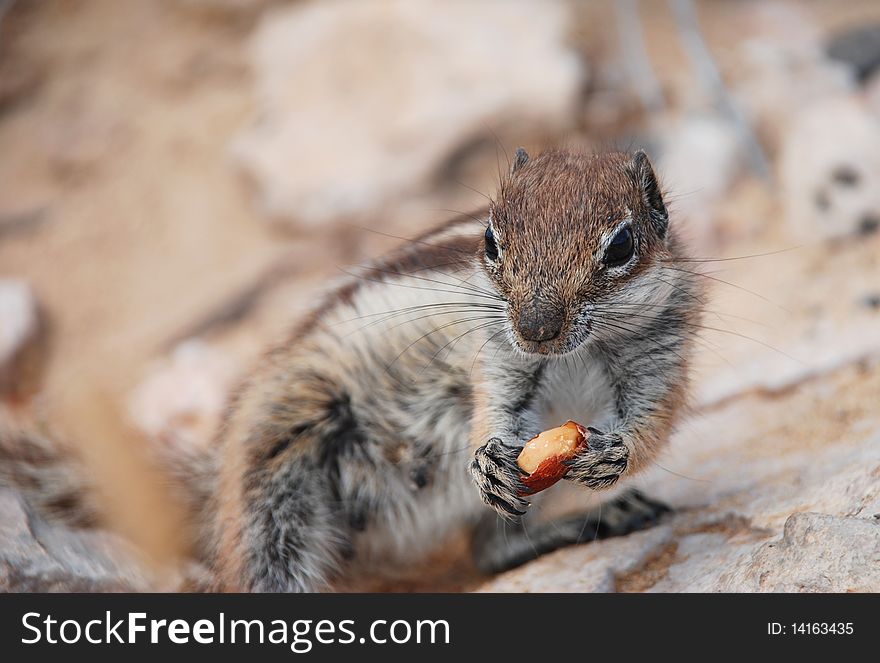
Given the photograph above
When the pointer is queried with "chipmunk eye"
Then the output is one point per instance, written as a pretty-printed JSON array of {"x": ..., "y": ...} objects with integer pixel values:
[
  {"x": 491, "y": 245},
  {"x": 620, "y": 250}
]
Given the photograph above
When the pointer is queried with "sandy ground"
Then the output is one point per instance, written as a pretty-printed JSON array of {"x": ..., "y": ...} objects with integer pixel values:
[{"x": 121, "y": 206}]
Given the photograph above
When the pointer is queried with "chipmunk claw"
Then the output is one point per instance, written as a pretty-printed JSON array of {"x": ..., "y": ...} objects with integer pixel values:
[
  {"x": 601, "y": 463},
  {"x": 499, "y": 478}
]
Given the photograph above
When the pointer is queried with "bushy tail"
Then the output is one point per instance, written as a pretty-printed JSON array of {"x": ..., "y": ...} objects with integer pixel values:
[
  {"x": 192, "y": 474},
  {"x": 52, "y": 478},
  {"x": 48, "y": 475}
]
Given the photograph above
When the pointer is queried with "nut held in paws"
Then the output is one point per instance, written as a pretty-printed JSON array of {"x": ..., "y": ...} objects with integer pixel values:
[{"x": 542, "y": 457}]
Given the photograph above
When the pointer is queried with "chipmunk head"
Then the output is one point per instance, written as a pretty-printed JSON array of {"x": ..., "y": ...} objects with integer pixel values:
[{"x": 572, "y": 239}]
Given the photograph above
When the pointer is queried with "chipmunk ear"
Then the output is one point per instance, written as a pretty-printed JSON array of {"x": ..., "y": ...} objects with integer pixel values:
[
  {"x": 653, "y": 198},
  {"x": 520, "y": 159}
]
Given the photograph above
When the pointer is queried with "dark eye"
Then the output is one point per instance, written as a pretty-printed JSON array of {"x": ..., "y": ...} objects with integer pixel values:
[
  {"x": 620, "y": 249},
  {"x": 491, "y": 245}
]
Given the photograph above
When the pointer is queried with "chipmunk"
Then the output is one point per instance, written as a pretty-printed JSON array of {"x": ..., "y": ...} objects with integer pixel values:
[{"x": 393, "y": 416}]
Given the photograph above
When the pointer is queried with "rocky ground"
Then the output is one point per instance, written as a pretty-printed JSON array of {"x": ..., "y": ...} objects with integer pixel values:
[{"x": 179, "y": 179}]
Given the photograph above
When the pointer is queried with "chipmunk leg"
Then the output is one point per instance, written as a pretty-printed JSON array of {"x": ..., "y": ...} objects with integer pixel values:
[
  {"x": 294, "y": 533},
  {"x": 289, "y": 521},
  {"x": 650, "y": 394},
  {"x": 499, "y": 545},
  {"x": 501, "y": 425}
]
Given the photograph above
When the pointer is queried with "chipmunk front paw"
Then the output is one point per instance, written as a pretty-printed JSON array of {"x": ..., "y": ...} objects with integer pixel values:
[
  {"x": 498, "y": 478},
  {"x": 601, "y": 463}
]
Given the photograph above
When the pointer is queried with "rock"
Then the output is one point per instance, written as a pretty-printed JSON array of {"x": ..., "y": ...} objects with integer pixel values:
[
  {"x": 858, "y": 47},
  {"x": 360, "y": 104},
  {"x": 22, "y": 348},
  {"x": 588, "y": 568},
  {"x": 700, "y": 156},
  {"x": 770, "y": 493},
  {"x": 817, "y": 553},
  {"x": 181, "y": 401},
  {"x": 829, "y": 170},
  {"x": 223, "y": 8},
  {"x": 89, "y": 137},
  {"x": 797, "y": 311},
  {"x": 21, "y": 74},
  {"x": 18, "y": 79},
  {"x": 36, "y": 556},
  {"x": 23, "y": 222},
  {"x": 871, "y": 94},
  {"x": 782, "y": 68}
]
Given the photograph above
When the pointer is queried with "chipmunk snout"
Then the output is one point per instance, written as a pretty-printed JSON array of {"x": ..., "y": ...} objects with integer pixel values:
[{"x": 540, "y": 321}]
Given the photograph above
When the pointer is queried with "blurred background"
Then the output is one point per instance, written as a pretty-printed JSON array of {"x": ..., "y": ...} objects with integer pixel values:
[{"x": 179, "y": 178}]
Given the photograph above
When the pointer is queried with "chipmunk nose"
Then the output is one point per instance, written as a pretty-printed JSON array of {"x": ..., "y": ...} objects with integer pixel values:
[{"x": 540, "y": 322}]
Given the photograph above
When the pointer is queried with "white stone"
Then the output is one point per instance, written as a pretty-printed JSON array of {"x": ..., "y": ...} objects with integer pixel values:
[
  {"x": 700, "y": 156},
  {"x": 781, "y": 67},
  {"x": 824, "y": 141},
  {"x": 39, "y": 556},
  {"x": 359, "y": 104},
  {"x": 817, "y": 553},
  {"x": 181, "y": 401},
  {"x": 19, "y": 326}
]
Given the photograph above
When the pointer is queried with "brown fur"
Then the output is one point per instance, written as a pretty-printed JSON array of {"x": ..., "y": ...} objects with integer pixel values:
[{"x": 386, "y": 420}]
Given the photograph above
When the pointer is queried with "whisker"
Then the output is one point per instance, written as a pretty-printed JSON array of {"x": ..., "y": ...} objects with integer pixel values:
[
  {"x": 458, "y": 338},
  {"x": 488, "y": 340},
  {"x": 702, "y": 341},
  {"x": 746, "y": 257},
  {"x": 732, "y": 285},
  {"x": 528, "y": 538},
  {"x": 415, "y": 287},
  {"x": 417, "y": 307},
  {"x": 753, "y": 340},
  {"x": 734, "y": 333},
  {"x": 611, "y": 306},
  {"x": 683, "y": 476},
  {"x": 411, "y": 240},
  {"x": 485, "y": 316},
  {"x": 598, "y": 524},
  {"x": 498, "y": 144},
  {"x": 433, "y": 331},
  {"x": 680, "y": 289},
  {"x": 446, "y": 309},
  {"x": 459, "y": 283},
  {"x": 456, "y": 281},
  {"x": 477, "y": 191},
  {"x": 620, "y": 327},
  {"x": 497, "y": 350},
  {"x": 470, "y": 215}
]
